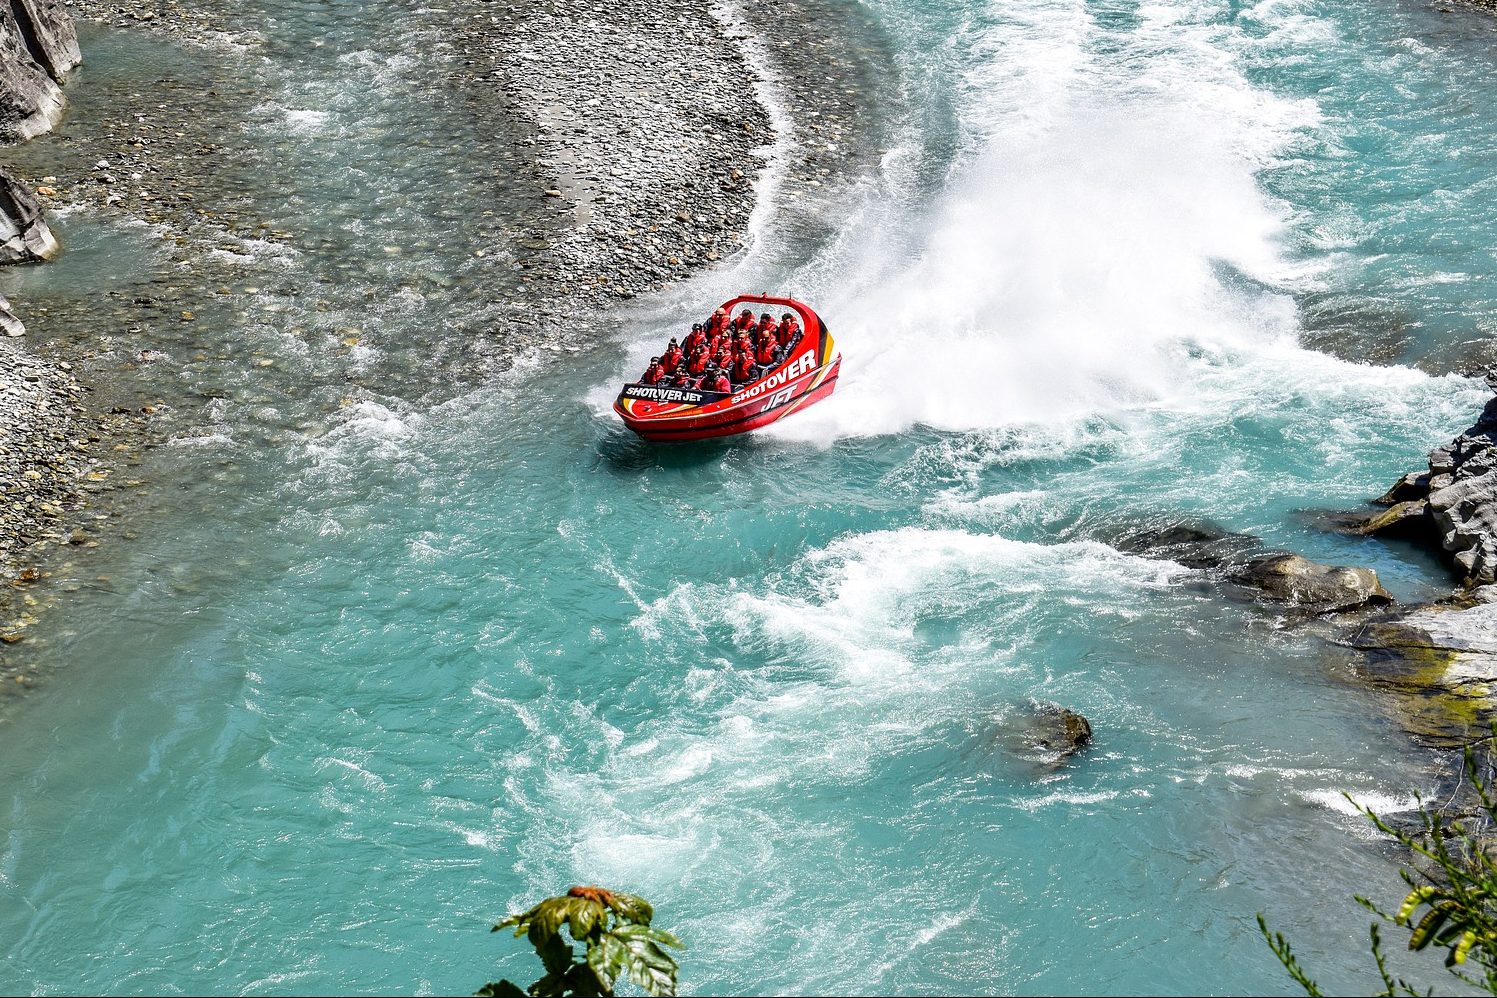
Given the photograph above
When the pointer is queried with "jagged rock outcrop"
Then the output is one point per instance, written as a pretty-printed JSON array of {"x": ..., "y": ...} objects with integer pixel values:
[
  {"x": 10, "y": 323},
  {"x": 24, "y": 234},
  {"x": 38, "y": 47},
  {"x": 1453, "y": 505},
  {"x": 49, "y": 34}
]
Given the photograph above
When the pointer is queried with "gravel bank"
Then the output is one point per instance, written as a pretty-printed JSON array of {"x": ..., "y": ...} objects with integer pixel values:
[{"x": 637, "y": 164}]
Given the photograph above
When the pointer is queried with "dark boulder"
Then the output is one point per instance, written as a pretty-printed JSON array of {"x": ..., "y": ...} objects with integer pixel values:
[
  {"x": 1194, "y": 544},
  {"x": 1044, "y": 734}
]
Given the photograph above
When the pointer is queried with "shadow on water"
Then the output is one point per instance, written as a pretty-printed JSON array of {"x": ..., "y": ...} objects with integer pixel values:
[{"x": 624, "y": 453}]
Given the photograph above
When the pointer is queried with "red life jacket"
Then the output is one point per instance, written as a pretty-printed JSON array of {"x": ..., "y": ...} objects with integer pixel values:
[
  {"x": 718, "y": 323},
  {"x": 671, "y": 361},
  {"x": 698, "y": 363},
  {"x": 694, "y": 339},
  {"x": 721, "y": 383},
  {"x": 789, "y": 332},
  {"x": 743, "y": 368},
  {"x": 745, "y": 321},
  {"x": 767, "y": 350},
  {"x": 653, "y": 375}
]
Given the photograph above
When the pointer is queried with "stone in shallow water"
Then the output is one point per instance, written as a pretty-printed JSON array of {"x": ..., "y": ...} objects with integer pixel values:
[
  {"x": 1441, "y": 664},
  {"x": 1044, "y": 734},
  {"x": 1307, "y": 585}
]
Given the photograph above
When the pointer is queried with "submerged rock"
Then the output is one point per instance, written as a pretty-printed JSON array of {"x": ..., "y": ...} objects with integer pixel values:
[
  {"x": 24, "y": 234},
  {"x": 1192, "y": 543},
  {"x": 1045, "y": 734},
  {"x": 1312, "y": 587}
]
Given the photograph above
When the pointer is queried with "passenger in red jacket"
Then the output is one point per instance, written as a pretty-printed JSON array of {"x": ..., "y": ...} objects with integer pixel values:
[
  {"x": 767, "y": 324},
  {"x": 654, "y": 374},
  {"x": 719, "y": 322},
  {"x": 695, "y": 339},
  {"x": 768, "y": 354},
  {"x": 789, "y": 331},
  {"x": 744, "y": 369},
  {"x": 698, "y": 363},
  {"x": 672, "y": 358},
  {"x": 745, "y": 321},
  {"x": 719, "y": 382}
]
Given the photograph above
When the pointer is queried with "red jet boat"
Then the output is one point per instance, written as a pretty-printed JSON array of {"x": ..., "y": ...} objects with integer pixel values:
[{"x": 806, "y": 375}]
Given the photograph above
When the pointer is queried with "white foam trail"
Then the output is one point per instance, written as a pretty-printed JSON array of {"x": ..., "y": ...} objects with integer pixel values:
[{"x": 1104, "y": 228}]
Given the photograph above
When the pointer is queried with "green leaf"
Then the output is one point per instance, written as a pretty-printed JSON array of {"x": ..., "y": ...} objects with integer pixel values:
[
  {"x": 584, "y": 919},
  {"x": 633, "y": 909},
  {"x": 603, "y": 969},
  {"x": 500, "y": 989}
]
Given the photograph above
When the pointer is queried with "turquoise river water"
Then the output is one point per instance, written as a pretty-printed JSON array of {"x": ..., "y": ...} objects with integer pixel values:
[{"x": 373, "y": 675}]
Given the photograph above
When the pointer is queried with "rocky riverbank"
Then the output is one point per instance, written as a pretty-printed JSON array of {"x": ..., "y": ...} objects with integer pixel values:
[{"x": 54, "y": 443}]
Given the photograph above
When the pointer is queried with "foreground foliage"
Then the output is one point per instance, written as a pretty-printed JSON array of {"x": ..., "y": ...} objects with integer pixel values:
[
  {"x": 1451, "y": 904},
  {"x": 619, "y": 943}
]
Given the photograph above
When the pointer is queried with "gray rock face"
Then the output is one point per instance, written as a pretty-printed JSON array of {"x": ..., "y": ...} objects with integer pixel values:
[
  {"x": 1455, "y": 504},
  {"x": 49, "y": 35},
  {"x": 1440, "y": 662},
  {"x": 1306, "y": 585},
  {"x": 10, "y": 324},
  {"x": 24, "y": 234},
  {"x": 38, "y": 46}
]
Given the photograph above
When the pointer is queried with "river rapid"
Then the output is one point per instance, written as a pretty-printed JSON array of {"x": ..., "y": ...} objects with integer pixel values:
[{"x": 391, "y": 652}]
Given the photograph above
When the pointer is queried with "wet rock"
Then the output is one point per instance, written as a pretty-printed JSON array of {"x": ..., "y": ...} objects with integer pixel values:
[
  {"x": 1045, "y": 734},
  {"x": 1194, "y": 544},
  {"x": 1413, "y": 486},
  {"x": 1440, "y": 663},
  {"x": 1411, "y": 519},
  {"x": 1456, "y": 499},
  {"x": 1306, "y": 585},
  {"x": 24, "y": 234},
  {"x": 37, "y": 48}
]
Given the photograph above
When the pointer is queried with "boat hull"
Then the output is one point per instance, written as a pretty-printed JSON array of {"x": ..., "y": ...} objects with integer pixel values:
[{"x": 808, "y": 375}]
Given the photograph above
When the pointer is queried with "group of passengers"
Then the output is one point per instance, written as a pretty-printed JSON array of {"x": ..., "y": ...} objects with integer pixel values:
[{"x": 725, "y": 353}]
